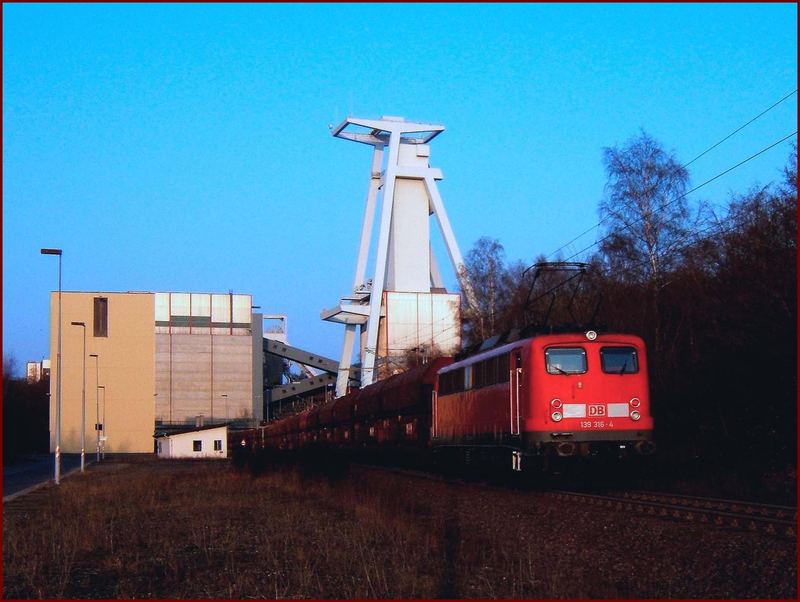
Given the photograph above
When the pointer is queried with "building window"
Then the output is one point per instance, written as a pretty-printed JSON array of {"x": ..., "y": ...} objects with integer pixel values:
[
  {"x": 100, "y": 317},
  {"x": 197, "y": 445},
  {"x": 217, "y": 444}
]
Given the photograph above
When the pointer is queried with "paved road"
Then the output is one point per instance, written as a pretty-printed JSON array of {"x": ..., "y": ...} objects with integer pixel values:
[{"x": 38, "y": 469}]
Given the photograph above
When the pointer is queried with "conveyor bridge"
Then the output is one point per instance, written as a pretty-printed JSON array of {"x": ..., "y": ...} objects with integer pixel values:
[{"x": 321, "y": 371}]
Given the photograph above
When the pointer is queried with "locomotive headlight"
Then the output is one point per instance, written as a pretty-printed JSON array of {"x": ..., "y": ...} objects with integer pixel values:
[
  {"x": 634, "y": 402},
  {"x": 556, "y": 416},
  {"x": 556, "y": 403},
  {"x": 635, "y": 415},
  {"x": 591, "y": 335}
]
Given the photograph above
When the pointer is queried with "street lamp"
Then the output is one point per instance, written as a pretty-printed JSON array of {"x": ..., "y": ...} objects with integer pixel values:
[
  {"x": 97, "y": 403},
  {"x": 83, "y": 397},
  {"x": 57, "y": 469},
  {"x": 100, "y": 425}
]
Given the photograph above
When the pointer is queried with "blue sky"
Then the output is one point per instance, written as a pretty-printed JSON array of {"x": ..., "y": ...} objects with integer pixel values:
[{"x": 186, "y": 147}]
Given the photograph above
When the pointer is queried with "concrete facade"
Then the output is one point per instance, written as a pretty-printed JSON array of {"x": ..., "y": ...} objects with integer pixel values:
[{"x": 124, "y": 406}]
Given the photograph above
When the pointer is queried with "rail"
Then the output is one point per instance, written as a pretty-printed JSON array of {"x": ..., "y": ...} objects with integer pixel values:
[{"x": 750, "y": 516}]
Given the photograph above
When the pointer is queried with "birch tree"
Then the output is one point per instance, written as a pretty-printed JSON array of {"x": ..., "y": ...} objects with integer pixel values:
[
  {"x": 646, "y": 218},
  {"x": 644, "y": 210}
]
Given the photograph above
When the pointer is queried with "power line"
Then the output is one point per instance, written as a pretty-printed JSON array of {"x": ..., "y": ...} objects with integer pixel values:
[
  {"x": 737, "y": 130},
  {"x": 676, "y": 199},
  {"x": 709, "y": 149}
]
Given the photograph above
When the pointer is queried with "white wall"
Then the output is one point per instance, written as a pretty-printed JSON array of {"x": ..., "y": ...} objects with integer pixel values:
[{"x": 182, "y": 445}]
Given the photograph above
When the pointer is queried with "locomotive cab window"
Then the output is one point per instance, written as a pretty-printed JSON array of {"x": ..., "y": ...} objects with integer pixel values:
[
  {"x": 565, "y": 360},
  {"x": 619, "y": 360}
]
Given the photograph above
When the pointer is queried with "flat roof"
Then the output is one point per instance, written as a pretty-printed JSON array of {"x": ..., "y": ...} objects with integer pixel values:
[{"x": 195, "y": 429}]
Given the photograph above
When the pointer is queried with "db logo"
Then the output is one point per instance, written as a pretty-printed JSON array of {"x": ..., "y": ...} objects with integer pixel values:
[{"x": 597, "y": 409}]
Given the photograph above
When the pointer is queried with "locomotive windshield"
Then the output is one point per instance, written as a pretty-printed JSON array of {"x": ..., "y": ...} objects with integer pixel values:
[
  {"x": 619, "y": 360},
  {"x": 563, "y": 360}
]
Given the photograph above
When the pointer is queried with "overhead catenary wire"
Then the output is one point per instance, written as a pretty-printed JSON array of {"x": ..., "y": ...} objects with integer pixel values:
[
  {"x": 740, "y": 128},
  {"x": 684, "y": 166}
]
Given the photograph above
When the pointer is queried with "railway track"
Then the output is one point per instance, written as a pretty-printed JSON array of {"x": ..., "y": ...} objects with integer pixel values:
[
  {"x": 770, "y": 519},
  {"x": 748, "y": 516}
]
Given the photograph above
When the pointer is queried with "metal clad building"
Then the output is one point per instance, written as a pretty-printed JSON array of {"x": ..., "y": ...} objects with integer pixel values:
[
  {"x": 204, "y": 357},
  {"x": 429, "y": 324}
]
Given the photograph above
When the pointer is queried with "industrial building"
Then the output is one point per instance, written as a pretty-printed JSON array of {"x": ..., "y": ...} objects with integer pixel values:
[
  {"x": 37, "y": 371},
  {"x": 209, "y": 442},
  {"x": 137, "y": 362}
]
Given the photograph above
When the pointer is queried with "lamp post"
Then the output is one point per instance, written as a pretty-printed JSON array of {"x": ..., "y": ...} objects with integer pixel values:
[
  {"x": 97, "y": 404},
  {"x": 83, "y": 398},
  {"x": 100, "y": 425},
  {"x": 57, "y": 469}
]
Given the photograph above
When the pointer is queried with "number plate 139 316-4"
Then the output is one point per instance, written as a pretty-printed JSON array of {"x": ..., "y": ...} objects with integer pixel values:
[{"x": 596, "y": 424}]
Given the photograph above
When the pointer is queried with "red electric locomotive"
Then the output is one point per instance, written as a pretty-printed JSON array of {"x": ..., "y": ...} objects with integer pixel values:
[{"x": 551, "y": 395}]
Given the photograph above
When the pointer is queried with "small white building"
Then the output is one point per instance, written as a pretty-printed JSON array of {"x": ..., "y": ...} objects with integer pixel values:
[{"x": 201, "y": 442}]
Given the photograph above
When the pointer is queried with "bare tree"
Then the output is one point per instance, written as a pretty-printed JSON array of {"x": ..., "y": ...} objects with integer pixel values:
[
  {"x": 644, "y": 209},
  {"x": 647, "y": 219},
  {"x": 9, "y": 367},
  {"x": 486, "y": 271}
]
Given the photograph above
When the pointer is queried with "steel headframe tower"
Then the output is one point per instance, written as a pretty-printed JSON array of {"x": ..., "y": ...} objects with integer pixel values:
[{"x": 404, "y": 261}]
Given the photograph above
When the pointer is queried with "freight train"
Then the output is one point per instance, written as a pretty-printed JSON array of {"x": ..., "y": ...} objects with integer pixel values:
[{"x": 521, "y": 405}]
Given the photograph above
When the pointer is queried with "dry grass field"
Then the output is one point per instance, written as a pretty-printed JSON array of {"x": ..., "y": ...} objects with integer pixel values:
[{"x": 169, "y": 529}]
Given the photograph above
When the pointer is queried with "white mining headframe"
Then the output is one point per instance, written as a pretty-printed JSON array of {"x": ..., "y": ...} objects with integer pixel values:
[{"x": 405, "y": 305}]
